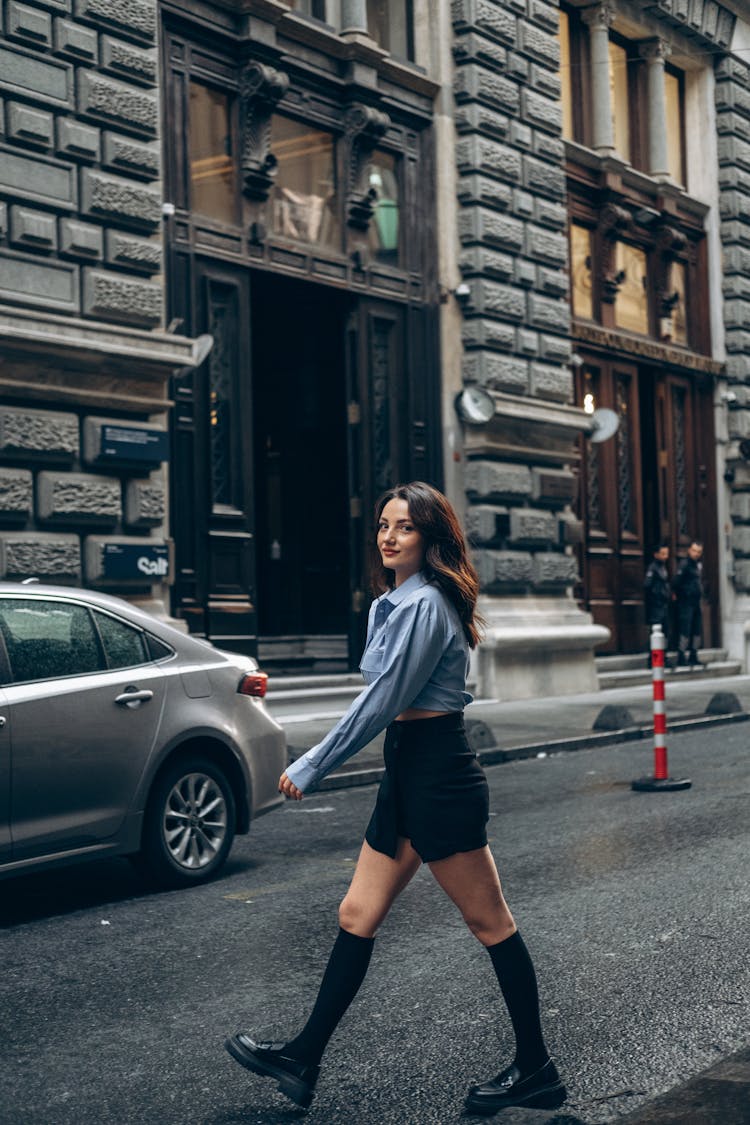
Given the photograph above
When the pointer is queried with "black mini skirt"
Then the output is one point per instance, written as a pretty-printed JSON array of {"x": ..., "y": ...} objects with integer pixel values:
[{"x": 434, "y": 791}]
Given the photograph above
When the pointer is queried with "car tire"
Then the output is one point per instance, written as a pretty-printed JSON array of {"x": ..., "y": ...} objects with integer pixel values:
[{"x": 189, "y": 824}]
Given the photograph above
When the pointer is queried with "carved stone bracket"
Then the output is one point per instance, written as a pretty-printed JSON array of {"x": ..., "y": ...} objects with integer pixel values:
[
  {"x": 669, "y": 242},
  {"x": 613, "y": 222},
  {"x": 364, "y": 126},
  {"x": 261, "y": 88}
]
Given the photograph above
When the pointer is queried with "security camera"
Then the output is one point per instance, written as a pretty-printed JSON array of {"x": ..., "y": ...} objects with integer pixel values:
[
  {"x": 728, "y": 396},
  {"x": 462, "y": 292},
  {"x": 575, "y": 360}
]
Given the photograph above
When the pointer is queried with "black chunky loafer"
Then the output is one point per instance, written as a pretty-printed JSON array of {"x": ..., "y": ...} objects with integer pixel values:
[
  {"x": 542, "y": 1089},
  {"x": 296, "y": 1079}
]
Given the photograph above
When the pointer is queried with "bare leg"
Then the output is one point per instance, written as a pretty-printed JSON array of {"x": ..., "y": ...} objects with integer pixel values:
[
  {"x": 471, "y": 880},
  {"x": 376, "y": 884}
]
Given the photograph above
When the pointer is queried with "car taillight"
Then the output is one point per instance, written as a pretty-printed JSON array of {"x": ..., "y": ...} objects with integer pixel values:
[{"x": 253, "y": 683}]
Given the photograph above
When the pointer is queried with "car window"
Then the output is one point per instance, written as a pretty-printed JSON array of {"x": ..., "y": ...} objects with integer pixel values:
[
  {"x": 124, "y": 646},
  {"x": 45, "y": 640},
  {"x": 158, "y": 650}
]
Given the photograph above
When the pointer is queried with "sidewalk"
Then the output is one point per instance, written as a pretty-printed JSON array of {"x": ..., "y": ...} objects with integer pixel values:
[
  {"x": 503, "y": 731},
  {"x": 719, "y": 1096}
]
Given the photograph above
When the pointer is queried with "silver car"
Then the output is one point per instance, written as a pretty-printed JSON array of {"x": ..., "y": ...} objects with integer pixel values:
[{"x": 120, "y": 735}]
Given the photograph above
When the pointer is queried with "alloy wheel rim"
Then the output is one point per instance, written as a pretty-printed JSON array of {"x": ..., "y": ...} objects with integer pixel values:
[{"x": 194, "y": 825}]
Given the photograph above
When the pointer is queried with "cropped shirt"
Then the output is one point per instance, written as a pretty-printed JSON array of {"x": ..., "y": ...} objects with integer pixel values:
[{"x": 416, "y": 655}]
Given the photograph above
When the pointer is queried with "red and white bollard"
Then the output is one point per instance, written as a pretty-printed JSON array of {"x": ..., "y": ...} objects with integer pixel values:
[{"x": 661, "y": 781}]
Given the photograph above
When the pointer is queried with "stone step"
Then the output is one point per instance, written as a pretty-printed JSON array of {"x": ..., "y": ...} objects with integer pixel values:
[
  {"x": 633, "y": 677},
  {"x": 633, "y": 660},
  {"x": 305, "y": 697}
]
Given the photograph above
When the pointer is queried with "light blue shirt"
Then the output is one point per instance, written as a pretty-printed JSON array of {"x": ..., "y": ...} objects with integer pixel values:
[{"x": 417, "y": 655}]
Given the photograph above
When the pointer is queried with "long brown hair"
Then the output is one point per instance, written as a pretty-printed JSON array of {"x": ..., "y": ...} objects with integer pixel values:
[{"x": 446, "y": 561}]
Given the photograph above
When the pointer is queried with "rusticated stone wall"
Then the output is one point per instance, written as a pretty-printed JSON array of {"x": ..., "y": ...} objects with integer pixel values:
[
  {"x": 733, "y": 127},
  {"x": 80, "y": 201},
  {"x": 56, "y": 501},
  {"x": 512, "y": 219}
]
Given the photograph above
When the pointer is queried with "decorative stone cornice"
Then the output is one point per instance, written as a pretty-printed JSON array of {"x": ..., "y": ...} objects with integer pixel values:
[
  {"x": 704, "y": 19},
  {"x": 261, "y": 88},
  {"x": 621, "y": 343},
  {"x": 364, "y": 126}
]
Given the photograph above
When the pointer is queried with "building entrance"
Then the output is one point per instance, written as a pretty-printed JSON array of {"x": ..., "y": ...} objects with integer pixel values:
[
  {"x": 652, "y": 482},
  {"x": 300, "y": 472}
]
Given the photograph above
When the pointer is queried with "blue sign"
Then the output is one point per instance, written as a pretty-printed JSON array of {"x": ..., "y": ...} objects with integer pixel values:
[
  {"x": 129, "y": 562},
  {"x": 128, "y": 444}
]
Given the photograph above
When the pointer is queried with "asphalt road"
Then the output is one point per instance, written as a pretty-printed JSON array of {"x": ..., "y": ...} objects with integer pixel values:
[{"x": 114, "y": 1002}]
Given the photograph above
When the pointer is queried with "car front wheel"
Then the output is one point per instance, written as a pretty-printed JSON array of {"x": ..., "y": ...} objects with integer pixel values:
[{"x": 189, "y": 824}]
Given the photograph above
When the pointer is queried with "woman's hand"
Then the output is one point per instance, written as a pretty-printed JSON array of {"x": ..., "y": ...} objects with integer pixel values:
[{"x": 289, "y": 789}]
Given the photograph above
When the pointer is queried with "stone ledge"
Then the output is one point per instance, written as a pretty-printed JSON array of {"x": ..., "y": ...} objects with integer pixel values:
[{"x": 73, "y": 340}]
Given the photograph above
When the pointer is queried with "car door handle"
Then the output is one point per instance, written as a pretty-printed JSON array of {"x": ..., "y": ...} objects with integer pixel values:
[{"x": 129, "y": 697}]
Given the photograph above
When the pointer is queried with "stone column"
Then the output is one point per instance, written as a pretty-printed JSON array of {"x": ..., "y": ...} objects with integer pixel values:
[
  {"x": 354, "y": 17},
  {"x": 599, "y": 21},
  {"x": 654, "y": 52}
]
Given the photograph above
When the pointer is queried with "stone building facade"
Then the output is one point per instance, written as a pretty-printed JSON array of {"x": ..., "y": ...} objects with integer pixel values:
[
  {"x": 518, "y": 471},
  {"x": 85, "y": 365},
  {"x": 372, "y": 207}
]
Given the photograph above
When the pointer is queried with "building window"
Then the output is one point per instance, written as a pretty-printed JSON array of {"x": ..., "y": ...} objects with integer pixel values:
[
  {"x": 304, "y": 204},
  {"x": 581, "y": 289},
  {"x": 673, "y": 95},
  {"x": 631, "y": 303},
  {"x": 390, "y": 23},
  {"x": 315, "y": 8},
  {"x": 385, "y": 225},
  {"x": 213, "y": 168},
  {"x": 566, "y": 78},
  {"x": 619, "y": 93}
]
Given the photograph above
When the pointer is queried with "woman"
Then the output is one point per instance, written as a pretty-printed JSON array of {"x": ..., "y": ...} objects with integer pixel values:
[{"x": 432, "y": 805}]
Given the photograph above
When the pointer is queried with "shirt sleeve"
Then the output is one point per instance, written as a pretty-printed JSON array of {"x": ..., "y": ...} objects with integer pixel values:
[{"x": 415, "y": 640}]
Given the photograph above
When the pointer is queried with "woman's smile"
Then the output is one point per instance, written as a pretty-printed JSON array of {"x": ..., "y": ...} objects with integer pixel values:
[{"x": 401, "y": 546}]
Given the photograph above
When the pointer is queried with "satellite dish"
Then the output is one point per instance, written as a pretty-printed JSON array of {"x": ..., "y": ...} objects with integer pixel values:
[{"x": 605, "y": 424}]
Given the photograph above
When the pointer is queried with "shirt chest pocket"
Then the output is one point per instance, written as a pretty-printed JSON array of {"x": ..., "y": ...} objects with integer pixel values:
[{"x": 371, "y": 664}]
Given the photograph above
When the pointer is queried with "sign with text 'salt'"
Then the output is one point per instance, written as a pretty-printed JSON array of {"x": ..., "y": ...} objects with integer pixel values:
[
  {"x": 127, "y": 562},
  {"x": 128, "y": 443}
]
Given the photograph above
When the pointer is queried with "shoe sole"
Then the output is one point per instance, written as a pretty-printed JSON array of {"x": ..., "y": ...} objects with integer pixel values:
[
  {"x": 549, "y": 1097},
  {"x": 293, "y": 1088}
]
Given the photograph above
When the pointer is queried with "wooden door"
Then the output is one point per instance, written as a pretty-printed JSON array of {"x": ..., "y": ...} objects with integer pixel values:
[
  {"x": 612, "y": 507},
  {"x": 684, "y": 431},
  {"x": 377, "y": 436},
  {"x": 212, "y": 503}
]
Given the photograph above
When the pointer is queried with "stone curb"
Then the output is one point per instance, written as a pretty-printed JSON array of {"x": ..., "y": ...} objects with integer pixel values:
[{"x": 351, "y": 779}]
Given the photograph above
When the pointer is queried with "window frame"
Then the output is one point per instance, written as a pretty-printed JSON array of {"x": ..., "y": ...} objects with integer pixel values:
[
  {"x": 580, "y": 76},
  {"x": 198, "y": 79},
  {"x": 675, "y": 72}
]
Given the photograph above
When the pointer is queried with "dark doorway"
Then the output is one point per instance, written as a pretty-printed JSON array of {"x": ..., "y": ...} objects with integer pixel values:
[{"x": 301, "y": 474}]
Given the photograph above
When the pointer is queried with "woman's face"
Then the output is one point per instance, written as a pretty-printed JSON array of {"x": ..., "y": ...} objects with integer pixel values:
[{"x": 401, "y": 546}]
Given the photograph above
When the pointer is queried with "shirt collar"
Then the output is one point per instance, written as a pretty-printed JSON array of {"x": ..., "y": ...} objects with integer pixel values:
[{"x": 397, "y": 595}]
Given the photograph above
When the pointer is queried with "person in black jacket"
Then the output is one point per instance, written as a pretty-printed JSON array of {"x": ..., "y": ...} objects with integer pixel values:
[
  {"x": 688, "y": 589},
  {"x": 658, "y": 592}
]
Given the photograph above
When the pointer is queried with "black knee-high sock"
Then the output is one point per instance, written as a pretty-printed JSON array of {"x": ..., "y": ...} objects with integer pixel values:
[
  {"x": 344, "y": 973},
  {"x": 515, "y": 972}
]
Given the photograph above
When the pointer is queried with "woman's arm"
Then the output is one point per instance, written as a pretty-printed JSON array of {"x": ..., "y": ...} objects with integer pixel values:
[{"x": 416, "y": 637}]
